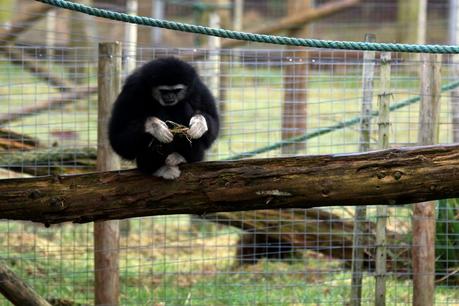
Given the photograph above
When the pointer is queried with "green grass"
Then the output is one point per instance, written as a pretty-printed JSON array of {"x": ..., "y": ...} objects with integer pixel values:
[{"x": 184, "y": 267}]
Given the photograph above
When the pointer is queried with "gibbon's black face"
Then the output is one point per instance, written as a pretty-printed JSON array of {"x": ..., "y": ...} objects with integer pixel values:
[
  {"x": 171, "y": 80},
  {"x": 169, "y": 95}
]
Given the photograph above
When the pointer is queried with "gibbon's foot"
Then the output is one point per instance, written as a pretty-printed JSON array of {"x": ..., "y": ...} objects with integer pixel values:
[
  {"x": 198, "y": 126},
  {"x": 168, "y": 172},
  {"x": 158, "y": 129},
  {"x": 175, "y": 159}
]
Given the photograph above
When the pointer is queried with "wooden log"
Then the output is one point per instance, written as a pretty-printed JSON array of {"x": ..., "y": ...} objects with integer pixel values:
[
  {"x": 53, "y": 103},
  {"x": 13, "y": 145},
  {"x": 18, "y": 56},
  {"x": 11, "y": 141},
  {"x": 394, "y": 176},
  {"x": 35, "y": 11},
  {"x": 56, "y": 160},
  {"x": 313, "y": 229},
  {"x": 18, "y": 292}
]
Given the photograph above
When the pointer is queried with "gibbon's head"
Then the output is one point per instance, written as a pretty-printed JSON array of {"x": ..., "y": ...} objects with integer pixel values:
[{"x": 171, "y": 80}]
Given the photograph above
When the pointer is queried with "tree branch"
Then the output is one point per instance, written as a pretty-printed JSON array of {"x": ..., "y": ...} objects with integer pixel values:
[
  {"x": 16, "y": 291},
  {"x": 395, "y": 176},
  {"x": 34, "y": 12},
  {"x": 59, "y": 101},
  {"x": 297, "y": 20}
]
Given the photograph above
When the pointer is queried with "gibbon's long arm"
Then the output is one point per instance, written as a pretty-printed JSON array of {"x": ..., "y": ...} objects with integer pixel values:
[
  {"x": 127, "y": 123},
  {"x": 207, "y": 108}
]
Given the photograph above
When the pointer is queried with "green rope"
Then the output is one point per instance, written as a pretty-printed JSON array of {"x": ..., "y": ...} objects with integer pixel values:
[
  {"x": 271, "y": 39},
  {"x": 341, "y": 125}
]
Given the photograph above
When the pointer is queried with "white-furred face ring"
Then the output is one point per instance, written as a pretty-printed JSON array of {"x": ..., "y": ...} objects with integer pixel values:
[{"x": 169, "y": 95}]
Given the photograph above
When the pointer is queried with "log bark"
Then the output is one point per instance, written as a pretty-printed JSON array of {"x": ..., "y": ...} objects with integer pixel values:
[
  {"x": 16, "y": 291},
  {"x": 394, "y": 176}
]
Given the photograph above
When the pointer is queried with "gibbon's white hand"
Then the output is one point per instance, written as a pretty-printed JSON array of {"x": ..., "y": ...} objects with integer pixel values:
[
  {"x": 198, "y": 126},
  {"x": 158, "y": 129}
]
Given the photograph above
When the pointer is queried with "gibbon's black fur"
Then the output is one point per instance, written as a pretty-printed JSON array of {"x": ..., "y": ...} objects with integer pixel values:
[{"x": 170, "y": 90}]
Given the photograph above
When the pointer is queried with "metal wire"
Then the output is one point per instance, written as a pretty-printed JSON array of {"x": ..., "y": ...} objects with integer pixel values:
[{"x": 223, "y": 259}]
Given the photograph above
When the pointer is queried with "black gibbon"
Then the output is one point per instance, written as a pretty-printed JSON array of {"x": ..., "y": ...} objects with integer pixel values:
[{"x": 162, "y": 91}]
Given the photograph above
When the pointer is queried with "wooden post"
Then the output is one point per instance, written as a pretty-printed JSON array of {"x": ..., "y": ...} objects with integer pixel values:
[
  {"x": 158, "y": 9},
  {"x": 411, "y": 21},
  {"x": 238, "y": 15},
  {"x": 368, "y": 72},
  {"x": 51, "y": 32},
  {"x": 6, "y": 12},
  {"x": 130, "y": 38},
  {"x": 294, "y": 108},
  {"x": 214, "y": 56},
  {"x": 381, "y": 211},
  {"x": 453, "y": 21},
  {"x": 78, "y": 41},
  {"x": 361, "y": 211},
  {"x": 422, "y": 22},
  {"x": 454, "y": 39},
  {"x": 424, "y": 213},
  {"x": 106, "y": 234},
  {"x": 224, "y": 14},
  {"x": 144, "y": 34}
]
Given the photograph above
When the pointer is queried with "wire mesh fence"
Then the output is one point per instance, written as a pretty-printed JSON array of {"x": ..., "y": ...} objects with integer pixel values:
[{"x": 48, "y": 125}]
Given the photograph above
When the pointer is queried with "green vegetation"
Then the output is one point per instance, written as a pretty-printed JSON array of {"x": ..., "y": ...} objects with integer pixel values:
[
  {"x": 177, "y": 261},
  {"x": 190, "y": 265}
]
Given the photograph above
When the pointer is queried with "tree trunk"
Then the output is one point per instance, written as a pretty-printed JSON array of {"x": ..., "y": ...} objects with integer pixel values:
[{"x": 395, "y": 176}]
